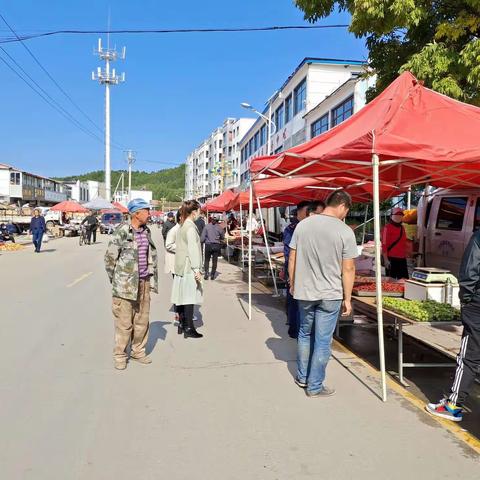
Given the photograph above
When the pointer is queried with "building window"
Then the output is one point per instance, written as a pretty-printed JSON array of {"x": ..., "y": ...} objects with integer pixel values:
[
  {"x": 263, "y": 135},
  {"x": 14, "y": 178},
  {"x": 256, "y": 141},
  {"x": 279, "y": 117},
  {"x": 288, "y": 108},
  {"x": 299, "y": 96},
  {"x": 342, "y": 112},
  {"x": 319, "y": 126}
]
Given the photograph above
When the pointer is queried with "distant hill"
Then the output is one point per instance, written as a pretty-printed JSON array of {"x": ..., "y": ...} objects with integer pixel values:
[{"x": 169, "y": 183}]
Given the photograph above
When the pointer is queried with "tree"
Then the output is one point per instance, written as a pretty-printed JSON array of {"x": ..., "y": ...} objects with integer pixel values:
[{"x": 437, "y": 40}]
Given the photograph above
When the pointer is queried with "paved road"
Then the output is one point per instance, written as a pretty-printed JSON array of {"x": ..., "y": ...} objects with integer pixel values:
[{"x": 224, "y": 407}]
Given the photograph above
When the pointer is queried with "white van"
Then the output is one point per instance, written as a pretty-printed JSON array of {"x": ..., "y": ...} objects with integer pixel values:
[{"x": 445, "y": 224}]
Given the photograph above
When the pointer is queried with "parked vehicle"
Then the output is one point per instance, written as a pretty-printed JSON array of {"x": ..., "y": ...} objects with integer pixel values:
[
  {"x": 446, "y": 222},
  {"x": 109, "y": 221}
]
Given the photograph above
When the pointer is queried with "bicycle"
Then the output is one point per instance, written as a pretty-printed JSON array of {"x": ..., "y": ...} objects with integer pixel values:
[{"x": 82, "y": 238}]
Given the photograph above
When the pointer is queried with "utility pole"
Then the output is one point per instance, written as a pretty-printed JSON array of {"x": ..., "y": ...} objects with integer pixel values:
[
  {"x": 130, "y": 160},
  {"x": 107, "y": 78}
]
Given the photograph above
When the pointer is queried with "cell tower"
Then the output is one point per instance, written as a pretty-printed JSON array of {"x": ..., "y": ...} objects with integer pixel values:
[{"x": 107, "y": 78}]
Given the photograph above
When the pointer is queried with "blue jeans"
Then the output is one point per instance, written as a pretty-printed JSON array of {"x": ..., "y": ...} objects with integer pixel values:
[
  {"x": 37, "y": 236},
  {"x": 317, "y": 324}
]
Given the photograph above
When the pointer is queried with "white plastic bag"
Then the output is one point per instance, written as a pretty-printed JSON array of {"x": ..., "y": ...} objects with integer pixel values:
[{"x": 45, "y": 238}]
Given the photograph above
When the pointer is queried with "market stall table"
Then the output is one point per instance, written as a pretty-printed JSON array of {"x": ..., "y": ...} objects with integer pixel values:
[{"x": 444, "y": 337}]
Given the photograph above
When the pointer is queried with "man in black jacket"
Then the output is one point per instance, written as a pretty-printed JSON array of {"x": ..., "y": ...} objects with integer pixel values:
[
  {"x": 168, "y": 225},
  {"x": 92, "y": 224},
  {"x": 468, "y": 359}
]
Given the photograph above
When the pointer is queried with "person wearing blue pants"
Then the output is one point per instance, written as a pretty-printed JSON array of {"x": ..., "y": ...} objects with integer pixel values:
[
  {"x": 37, "y": 229},
  {"x": 322, "y": 271}
]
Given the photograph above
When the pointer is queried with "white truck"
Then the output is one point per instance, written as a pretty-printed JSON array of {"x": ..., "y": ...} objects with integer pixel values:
[
  {"x": 446, "y": 220},
  {"x": 22, "y": 221}
]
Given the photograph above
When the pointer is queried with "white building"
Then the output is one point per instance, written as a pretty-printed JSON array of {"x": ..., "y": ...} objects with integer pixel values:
[
  {"x": 20, "y": 187},
  {"x": 346, "y": 100},
  {"x": 215, "y": 164},
  {"x": 122, "y": 196},
  {"x": 311, "y": 83},
  {"x": 85, "y": 191}
]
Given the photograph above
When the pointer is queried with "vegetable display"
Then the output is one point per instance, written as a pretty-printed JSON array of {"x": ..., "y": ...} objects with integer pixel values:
[
  {"x": 10, "y": 247},
  {"x": 422, "y": 310}
]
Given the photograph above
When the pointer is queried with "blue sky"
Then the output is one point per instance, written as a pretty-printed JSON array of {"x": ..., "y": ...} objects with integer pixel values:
[{"x": 178, "y": 87}]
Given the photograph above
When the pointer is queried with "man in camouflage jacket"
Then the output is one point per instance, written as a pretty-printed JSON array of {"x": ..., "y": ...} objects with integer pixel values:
[{"x": 131, "y": 265}]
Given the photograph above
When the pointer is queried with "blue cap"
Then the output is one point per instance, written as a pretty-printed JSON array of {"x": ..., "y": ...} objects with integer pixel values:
[{"x": 137, "y": 204}]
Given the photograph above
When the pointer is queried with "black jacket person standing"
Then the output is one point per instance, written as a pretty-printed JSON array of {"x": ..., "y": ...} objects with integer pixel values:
[
  {"x": 468, "y": 359},
  {"x": 92, "y": 223},
  {"x": 212, "y": 236}
]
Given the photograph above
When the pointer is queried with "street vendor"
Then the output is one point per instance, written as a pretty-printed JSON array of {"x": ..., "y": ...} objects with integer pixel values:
[{"x": 394, "y": 246}]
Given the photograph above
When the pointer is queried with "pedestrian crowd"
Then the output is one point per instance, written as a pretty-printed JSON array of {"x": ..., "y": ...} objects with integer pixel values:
[{"x": 320, "y": 251}]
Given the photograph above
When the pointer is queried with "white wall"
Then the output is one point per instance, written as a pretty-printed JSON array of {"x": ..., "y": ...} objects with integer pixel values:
[
  {"x": 4, "y": 182},
  {"x": 146, "y": 195}
]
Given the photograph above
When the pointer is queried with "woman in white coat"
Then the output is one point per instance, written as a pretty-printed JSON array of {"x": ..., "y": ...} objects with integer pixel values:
[
  {"x": 187, "y": 290},
  {"x": 171, "y": 246}
]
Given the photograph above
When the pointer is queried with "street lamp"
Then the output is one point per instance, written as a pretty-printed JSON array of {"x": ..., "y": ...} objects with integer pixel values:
[{"x": 268, "y": 120}]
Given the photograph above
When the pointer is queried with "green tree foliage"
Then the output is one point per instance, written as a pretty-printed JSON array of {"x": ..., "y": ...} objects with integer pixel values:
[
  {"x": 167, "y": 183},
  {"x": 438, "y": 41}
]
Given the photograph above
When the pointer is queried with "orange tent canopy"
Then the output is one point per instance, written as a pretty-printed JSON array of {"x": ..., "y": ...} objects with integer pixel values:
[{"x": 69, "y": 206}]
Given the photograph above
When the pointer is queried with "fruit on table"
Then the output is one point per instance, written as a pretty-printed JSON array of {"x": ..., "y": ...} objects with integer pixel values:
[
  {"x": 392, "y": 287},
  {"x": 422, "y": 310},
  {"x": 10, "y": 247}
]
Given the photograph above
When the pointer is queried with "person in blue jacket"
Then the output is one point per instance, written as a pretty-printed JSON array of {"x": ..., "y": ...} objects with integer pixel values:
[{"x": 37, "y": 229}]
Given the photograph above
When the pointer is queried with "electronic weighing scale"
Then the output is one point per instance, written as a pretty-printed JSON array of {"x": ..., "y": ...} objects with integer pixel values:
[
  {"x": 428, "y": 283},
  {"x": 433, "y": 275}
]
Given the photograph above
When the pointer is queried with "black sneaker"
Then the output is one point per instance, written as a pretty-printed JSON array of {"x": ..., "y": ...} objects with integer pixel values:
[
  {"x": 206, "y": 277},
  {"x": 300, "y": 384}
]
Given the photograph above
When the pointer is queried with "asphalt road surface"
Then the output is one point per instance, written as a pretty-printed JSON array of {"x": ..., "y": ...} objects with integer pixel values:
[{"x": 222, "y": 407}]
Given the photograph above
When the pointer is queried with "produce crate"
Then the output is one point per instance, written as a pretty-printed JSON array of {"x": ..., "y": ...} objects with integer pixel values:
[{"x": 362, "y": 293}]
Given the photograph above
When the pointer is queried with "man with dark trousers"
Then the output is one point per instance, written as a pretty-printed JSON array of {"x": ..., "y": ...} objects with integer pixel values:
[
  {"x": 213, "y": 237},
  {"x": 169, "y": 224},
  {"x": 92, "y": 224},
  {"x": 468, "y": 359}
]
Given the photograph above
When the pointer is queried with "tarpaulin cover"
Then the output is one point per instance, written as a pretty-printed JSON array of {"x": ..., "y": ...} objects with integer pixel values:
[
  {"x": 218, "y": 204},
  {"x": 69, "y": 206},
  {"x": 420, "y": 136}
]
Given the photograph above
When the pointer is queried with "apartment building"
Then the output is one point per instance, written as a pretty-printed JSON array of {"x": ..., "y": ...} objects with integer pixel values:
[
  {"x": 20, "y": 187},
  {"x": 215, "y": 164},
  {"x": 310, "y": 83}
]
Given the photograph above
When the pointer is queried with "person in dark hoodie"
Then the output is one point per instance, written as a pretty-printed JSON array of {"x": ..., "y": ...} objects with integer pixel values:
[
  {"x": 468, "y": 359},
  {"x": 168, "y": 225},
  {"x": 37, "y": 229}
]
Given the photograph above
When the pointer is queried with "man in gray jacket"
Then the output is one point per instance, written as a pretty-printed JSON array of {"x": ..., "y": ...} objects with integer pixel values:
[{"x": 212, "y": 236}]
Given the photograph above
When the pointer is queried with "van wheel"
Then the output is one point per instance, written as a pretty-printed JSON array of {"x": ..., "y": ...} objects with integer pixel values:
[{"x": 50, "y": 225}]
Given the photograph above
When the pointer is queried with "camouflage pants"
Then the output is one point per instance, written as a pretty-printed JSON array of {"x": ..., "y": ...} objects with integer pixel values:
[{"x": 131, "y": 323}]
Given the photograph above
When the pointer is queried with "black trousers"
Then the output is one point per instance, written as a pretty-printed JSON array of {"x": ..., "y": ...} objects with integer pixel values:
[
  {"x": 398, "y": 268},
  {"x": 91, "y": 231},
  {"x": 468, "y": 359},
  {"x": 212, "y": 250},
  {"x": 186, "y": 315}
]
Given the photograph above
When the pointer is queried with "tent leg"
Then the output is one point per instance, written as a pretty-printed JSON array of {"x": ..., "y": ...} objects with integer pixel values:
[
  {"x": 365, "y": 224},
  {"x": 241, "y": 238},
  {"x": 378, "y": 271},
  {"x": 250, "y": 216},
  {"x": 268, "y": 249}
]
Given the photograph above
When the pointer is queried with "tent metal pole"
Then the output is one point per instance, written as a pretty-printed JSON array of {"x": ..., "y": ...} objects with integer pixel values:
[
  {"x": 409, "y": 198},
  {"x": 241, "y": 237},
  {"x": 378, "y": 271},
  {"x": 250, "y": 217},
  {"x": 365, "y": 224},
  {"x": 263, "y": 226}
]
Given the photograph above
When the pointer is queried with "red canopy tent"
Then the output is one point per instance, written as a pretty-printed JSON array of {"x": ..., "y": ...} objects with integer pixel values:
[
  {"x": 218, "y": 204},
  {"x": 419, "y": 135},
  {"x": 408, "y": 135},
  {"x": 69, "y": 206},
  {"x": 118, "y": 206}
]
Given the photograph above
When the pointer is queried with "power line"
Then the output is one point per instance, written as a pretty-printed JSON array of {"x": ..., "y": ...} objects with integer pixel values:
[
  {"x": 176, "y": 30},
  {"x": 37, "y": 61}
]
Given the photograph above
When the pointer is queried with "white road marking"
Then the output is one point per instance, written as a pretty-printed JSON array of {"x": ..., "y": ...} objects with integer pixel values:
[{"x": 78, "y": 280}]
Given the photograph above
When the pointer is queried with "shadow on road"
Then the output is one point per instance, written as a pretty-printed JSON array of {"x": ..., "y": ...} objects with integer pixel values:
[
  {"x": 48, "y": 250},
  {"x": 157, "y": 332},
  {"x": 283, "y": 348}
]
